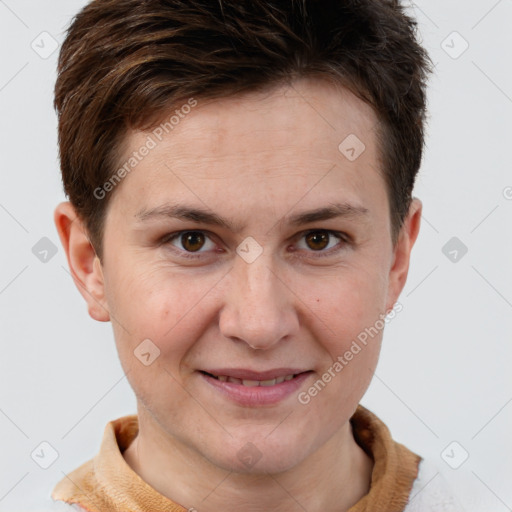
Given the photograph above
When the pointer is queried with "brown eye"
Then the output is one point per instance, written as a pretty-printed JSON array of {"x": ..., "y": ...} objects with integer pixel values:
[
  {"x": 189, "y": 244},
  {"x": 317, "y": 240},
  {"x": 192, "y": 240},
  {"x": 323, "y": 242}
]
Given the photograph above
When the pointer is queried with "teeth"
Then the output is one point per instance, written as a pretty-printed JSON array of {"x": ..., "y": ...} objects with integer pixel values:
[
  {"x": 254, "y": 383},
  {"x": 250, "y": 383}
]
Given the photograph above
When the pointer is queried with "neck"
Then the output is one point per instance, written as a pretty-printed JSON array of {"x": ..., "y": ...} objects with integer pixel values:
[{"x": 335, "y": 477}]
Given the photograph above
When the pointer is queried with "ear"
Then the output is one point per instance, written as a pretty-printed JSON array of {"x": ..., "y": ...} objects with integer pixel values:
[
  {"x": 84, "y": 264},
  {"x": 402, "y": 252}
]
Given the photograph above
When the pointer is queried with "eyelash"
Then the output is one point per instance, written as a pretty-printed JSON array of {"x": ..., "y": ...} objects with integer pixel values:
[{"x": 343, "y": 238}]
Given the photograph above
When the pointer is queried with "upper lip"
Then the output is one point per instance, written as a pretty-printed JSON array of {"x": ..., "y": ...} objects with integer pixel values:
[{"x": 245, "y": 374}]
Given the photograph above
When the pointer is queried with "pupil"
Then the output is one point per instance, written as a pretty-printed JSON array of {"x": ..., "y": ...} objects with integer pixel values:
[
  {"x": 317, "y": 237},
  {"x": 191, "y": 239}
]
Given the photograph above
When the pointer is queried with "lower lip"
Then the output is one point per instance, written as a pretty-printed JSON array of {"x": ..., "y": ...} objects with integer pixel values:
[{"x": 257, "y": 395}]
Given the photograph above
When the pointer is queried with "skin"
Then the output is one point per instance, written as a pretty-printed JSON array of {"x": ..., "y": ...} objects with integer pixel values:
[{"x": 255, "y": 159}]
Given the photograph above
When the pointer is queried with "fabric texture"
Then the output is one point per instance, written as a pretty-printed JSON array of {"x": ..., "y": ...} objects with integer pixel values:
[
  {"x": 431, "y": 492},
  {"x": 107, "y": 483}
]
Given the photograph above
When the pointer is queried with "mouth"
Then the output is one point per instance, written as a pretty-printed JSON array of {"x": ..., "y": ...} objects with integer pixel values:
[
  {"x": 250, "y": 388},
  {"x": 253, "y": 382}
]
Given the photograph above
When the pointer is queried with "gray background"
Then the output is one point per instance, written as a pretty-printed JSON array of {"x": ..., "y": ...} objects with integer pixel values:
[{"x": 444, "y": 373}]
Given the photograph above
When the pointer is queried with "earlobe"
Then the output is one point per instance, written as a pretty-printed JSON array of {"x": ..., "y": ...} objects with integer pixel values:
[
  {"x": 402, "y": 252},
  {"x": 83, "y": 262}
]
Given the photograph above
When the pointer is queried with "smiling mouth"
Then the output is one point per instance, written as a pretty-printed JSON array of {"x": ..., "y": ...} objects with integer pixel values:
[
  {"x": 251, "y": 388},
  {"x": 253, "y": 383}
]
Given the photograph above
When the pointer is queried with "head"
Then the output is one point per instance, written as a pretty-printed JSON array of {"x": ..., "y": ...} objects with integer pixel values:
[{"x": 253, "y": 113}]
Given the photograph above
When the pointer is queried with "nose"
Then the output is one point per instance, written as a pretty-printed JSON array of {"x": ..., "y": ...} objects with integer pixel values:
[{"x": 259, "y": 304}]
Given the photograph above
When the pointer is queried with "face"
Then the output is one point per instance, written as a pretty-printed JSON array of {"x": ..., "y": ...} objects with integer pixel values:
[{"x": 242, "y": 308}]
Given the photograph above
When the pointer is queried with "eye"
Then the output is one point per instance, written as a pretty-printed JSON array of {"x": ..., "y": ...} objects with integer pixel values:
[
  {"x": 188, "y": 242},
  {"x": 321, "y": 241}
]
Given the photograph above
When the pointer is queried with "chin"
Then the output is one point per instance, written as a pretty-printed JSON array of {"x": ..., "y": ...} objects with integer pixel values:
[
  {"x": 259, "y": 455},
  {"x": 258, "y": 464}
]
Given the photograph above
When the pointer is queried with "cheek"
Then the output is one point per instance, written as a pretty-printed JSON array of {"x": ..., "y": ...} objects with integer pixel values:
[
  {"x": 348, "y": 312},
  {"x": 167, "y": 308},
  {"x": 345, "y": 305},
  {"x": 153, "y": 306},
  {"x": 145, "y": 301}
]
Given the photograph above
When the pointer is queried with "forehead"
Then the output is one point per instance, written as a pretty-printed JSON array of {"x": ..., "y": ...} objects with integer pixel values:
[{"x": 289, "y": 140}]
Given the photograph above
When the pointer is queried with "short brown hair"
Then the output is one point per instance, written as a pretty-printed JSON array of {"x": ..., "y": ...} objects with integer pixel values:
[{"x": 125, "y": 63}]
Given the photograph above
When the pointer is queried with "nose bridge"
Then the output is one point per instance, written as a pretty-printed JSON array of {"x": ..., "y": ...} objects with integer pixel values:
[
  {"x": 259, "y": 280},
  {"x": 258, "y": 308}
]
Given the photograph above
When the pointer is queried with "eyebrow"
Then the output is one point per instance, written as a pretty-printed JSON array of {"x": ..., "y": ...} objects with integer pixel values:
[{"x": 194, "y": 214}]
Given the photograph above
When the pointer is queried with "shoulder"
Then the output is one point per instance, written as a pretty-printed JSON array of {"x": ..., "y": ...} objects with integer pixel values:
[{"x": 431, "y": 492}]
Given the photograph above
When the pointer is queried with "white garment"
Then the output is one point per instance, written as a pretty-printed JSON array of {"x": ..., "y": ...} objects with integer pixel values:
[{"x": 430, "y": 492}]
